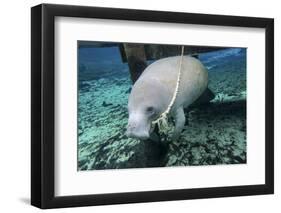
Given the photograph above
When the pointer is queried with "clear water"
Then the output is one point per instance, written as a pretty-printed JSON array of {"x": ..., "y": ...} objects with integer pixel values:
[{"x": 215, "y": 134}]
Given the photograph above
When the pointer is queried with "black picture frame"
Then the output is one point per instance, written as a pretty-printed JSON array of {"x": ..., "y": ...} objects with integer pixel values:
[{"x": 43, "y": 102}]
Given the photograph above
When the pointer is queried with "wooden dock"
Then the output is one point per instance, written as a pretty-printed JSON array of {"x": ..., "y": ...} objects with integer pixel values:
[{"x": 136, "y": 55}]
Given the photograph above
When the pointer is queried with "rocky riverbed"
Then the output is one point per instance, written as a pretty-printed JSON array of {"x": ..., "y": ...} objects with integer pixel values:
[{"x": 215, "y": 134}]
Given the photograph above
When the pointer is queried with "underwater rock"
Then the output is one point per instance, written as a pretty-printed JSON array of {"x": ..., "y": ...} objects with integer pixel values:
[
  {"x": 172, "y": 161},
  {"x": 104, "y": 104},
  {"x": 154, "y": 153},
  {"x": 128, "y": 90},
  {"x": 223, "y": 143},
  {"x": 115, "y": 155},
  {"x": 84, "y": 85}
]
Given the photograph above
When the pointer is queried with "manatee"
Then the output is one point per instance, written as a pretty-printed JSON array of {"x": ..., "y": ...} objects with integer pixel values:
[{"x": 153, "y": 91}]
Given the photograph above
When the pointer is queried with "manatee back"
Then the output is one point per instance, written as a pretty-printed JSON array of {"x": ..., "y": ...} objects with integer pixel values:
[{"x": 193, "y": 79}]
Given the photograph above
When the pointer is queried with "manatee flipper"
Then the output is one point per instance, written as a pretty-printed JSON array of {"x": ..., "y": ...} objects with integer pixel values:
[
  {"x": 206, "y": 97},
  {"x": 179, "y": 123}
]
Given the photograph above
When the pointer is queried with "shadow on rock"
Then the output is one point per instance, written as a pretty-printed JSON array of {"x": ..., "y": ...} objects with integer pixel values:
[{"x": 154, "y": 153}]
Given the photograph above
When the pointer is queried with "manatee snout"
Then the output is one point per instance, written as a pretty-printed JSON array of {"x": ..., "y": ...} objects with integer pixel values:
[
  {"x": 138, "y": 128},
  {"x": 132, "y": 132}
]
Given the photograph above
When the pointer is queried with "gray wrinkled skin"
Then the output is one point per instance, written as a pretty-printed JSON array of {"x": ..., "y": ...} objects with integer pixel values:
[{"x": 153, "y": 91}]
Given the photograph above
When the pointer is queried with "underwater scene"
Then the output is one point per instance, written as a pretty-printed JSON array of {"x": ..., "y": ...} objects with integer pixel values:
[{"x": 120, "y": 103}]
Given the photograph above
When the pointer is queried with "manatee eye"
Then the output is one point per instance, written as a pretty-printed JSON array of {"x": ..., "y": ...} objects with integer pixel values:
[{"x": 150, "y": 110}]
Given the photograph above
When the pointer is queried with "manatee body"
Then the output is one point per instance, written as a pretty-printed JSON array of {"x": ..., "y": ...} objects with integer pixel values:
[{"x": 153, "y": 91}]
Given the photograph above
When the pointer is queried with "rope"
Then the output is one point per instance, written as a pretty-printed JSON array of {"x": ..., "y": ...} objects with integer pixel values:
[{"x": 162, "y": 121}]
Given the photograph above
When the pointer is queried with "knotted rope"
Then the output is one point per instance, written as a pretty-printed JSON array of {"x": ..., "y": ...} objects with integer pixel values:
[{"x": 162, "y": 120}]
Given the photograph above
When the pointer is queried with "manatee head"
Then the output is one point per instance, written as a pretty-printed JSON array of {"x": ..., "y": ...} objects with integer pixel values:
[
  {"x": 145, "y": 105},
  {"x": 139, "y": 123}
]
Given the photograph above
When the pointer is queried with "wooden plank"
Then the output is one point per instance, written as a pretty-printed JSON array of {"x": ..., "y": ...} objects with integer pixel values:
[
  {"x": 136, "y": 58},
  {"x": 93, "y": 44},
  {"x": 156, "y": 51},
  {"x": 152, "y": 51}
]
